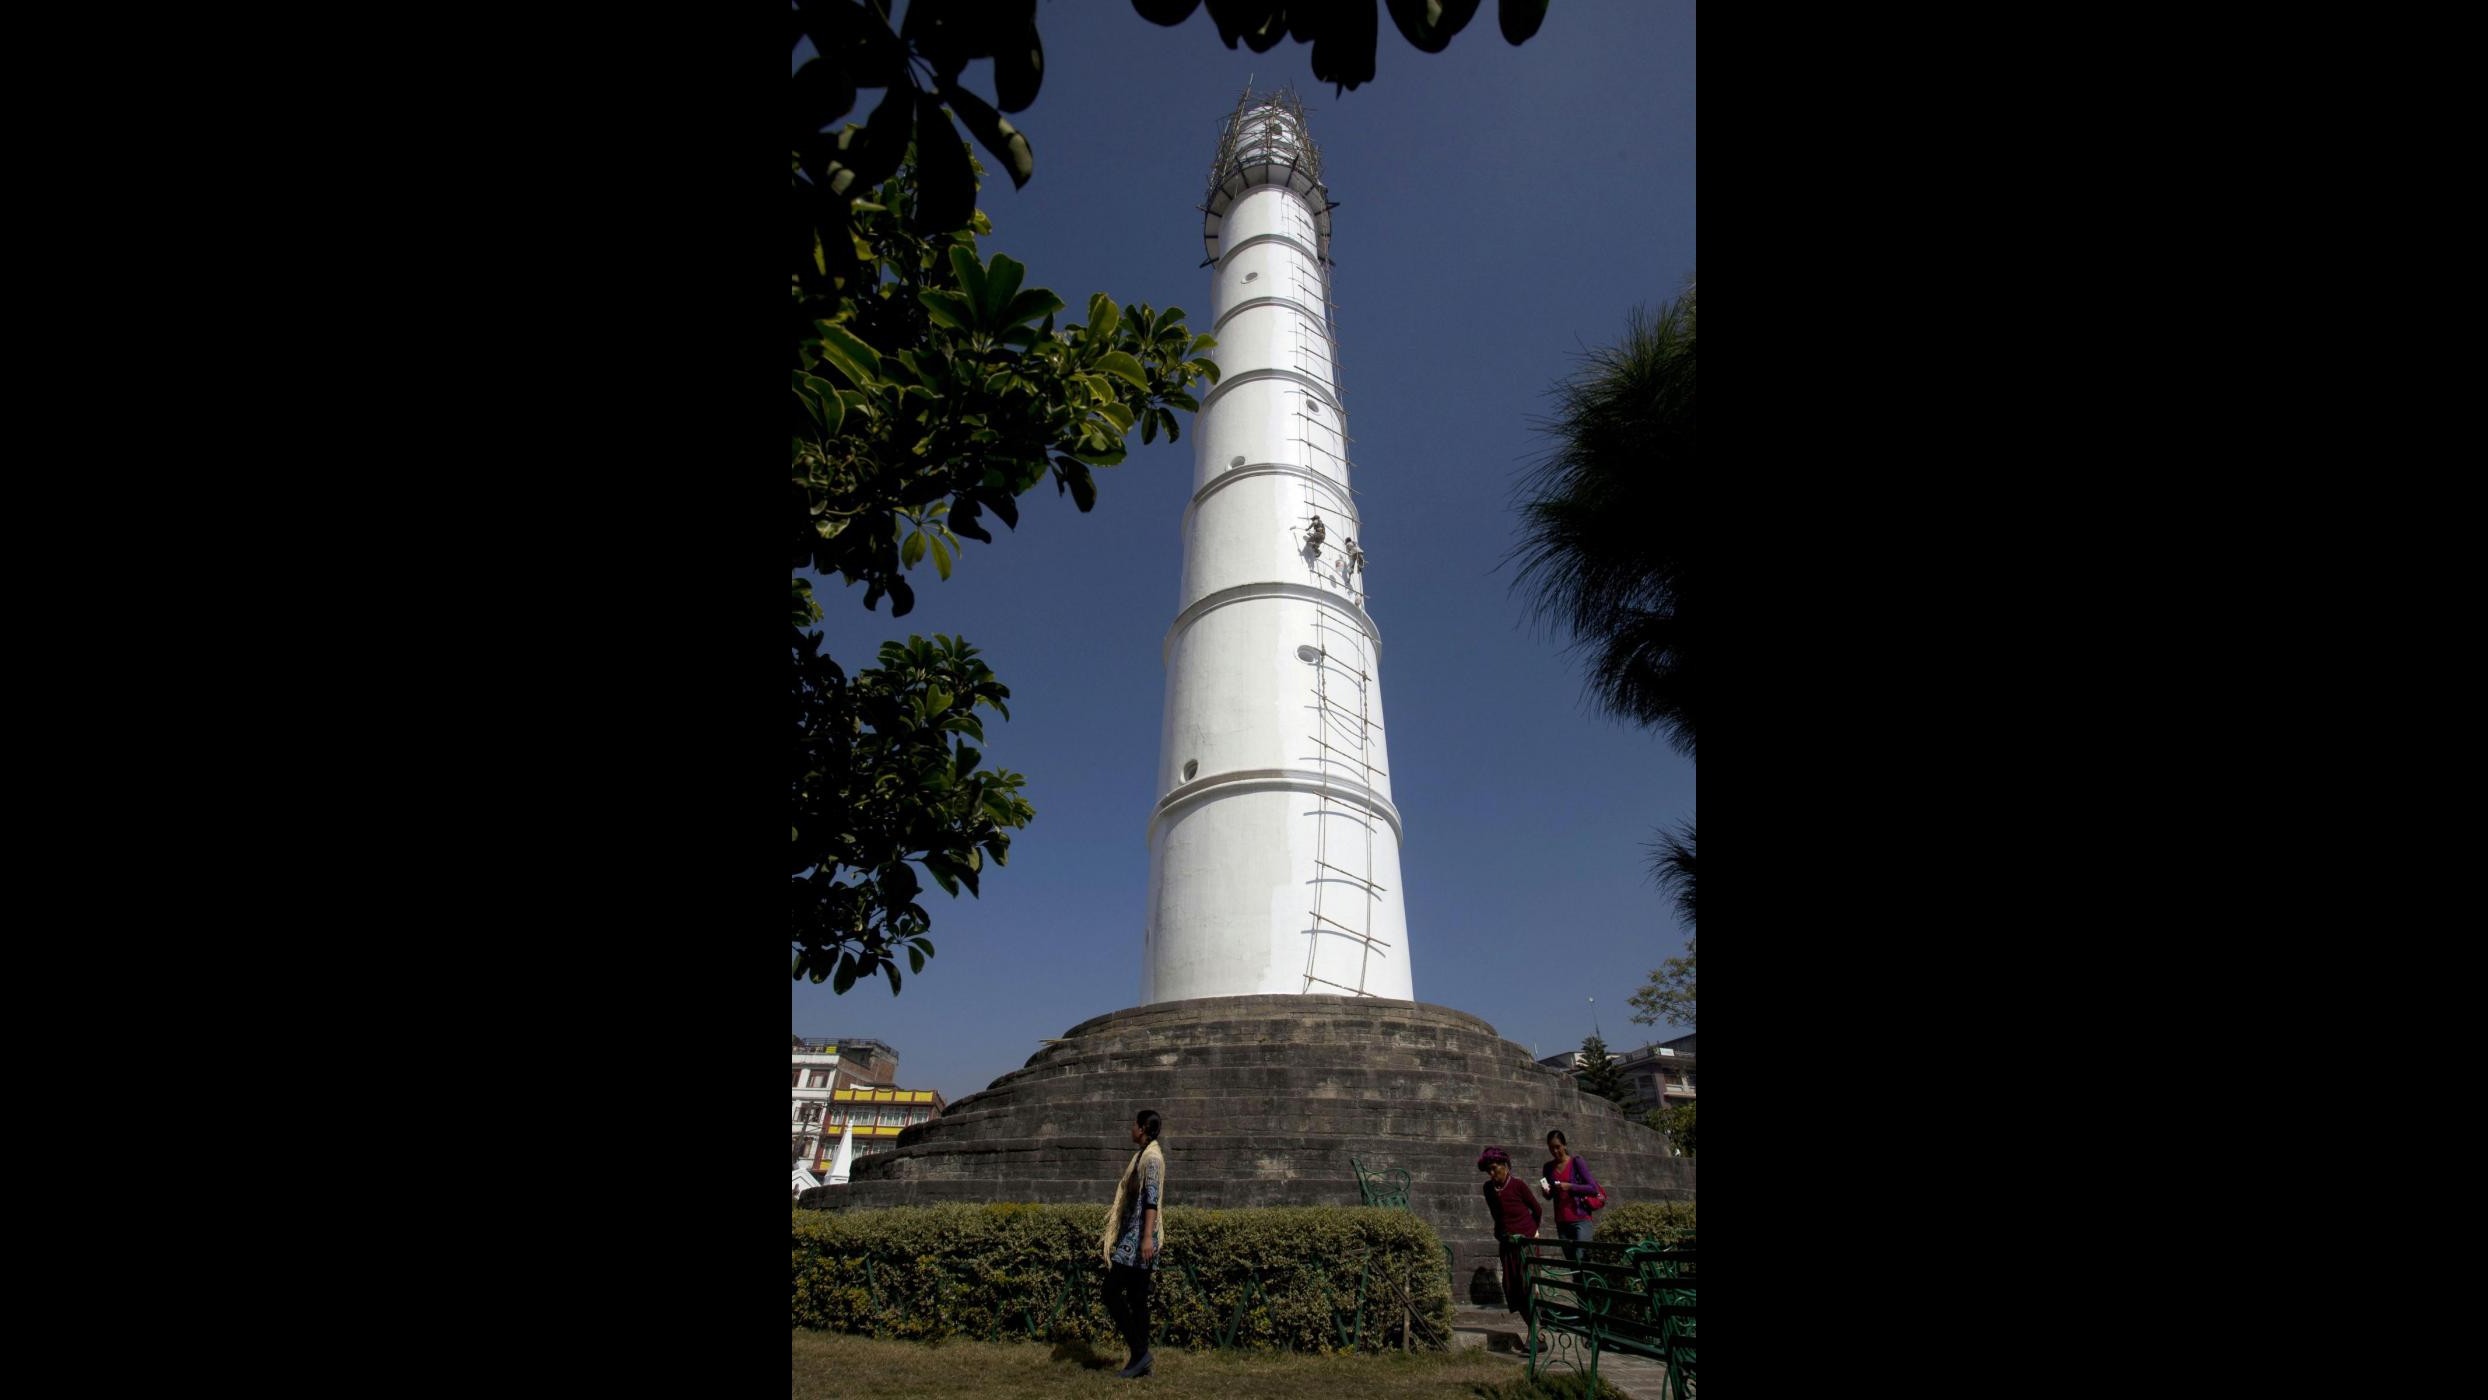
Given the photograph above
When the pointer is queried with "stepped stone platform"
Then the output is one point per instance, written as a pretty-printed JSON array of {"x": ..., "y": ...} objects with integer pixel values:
[{"x": 1265, "y": 1100}]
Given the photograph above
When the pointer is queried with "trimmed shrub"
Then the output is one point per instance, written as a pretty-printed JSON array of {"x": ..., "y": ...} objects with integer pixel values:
[
  {"x": 1670, "y": 1222},
  {"x": 1297, "y": 1278}
]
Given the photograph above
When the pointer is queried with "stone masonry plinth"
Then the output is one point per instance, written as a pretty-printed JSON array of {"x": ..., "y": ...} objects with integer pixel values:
[{"x": 1265, "y": 1099}]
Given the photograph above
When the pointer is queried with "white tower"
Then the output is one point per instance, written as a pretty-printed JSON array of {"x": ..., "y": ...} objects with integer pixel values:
[{"x": 1274, "y": 848}]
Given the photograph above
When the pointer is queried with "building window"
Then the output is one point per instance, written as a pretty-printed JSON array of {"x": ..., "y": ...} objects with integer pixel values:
[
  {"x": 820, "y": 1079},
  {"x": 798, "y": 1076}
]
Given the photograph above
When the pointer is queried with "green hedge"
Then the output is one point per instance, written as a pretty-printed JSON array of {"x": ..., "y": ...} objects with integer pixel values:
[
  {"x": 1668, "y": 1221},
  {"x": 1308, "y": 1278}
]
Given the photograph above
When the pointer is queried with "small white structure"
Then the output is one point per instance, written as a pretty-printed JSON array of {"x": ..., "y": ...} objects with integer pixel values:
[
  {"x": 845, "y": 1159},
  {"x": 1274, "y": 847},
  {"x": 804, "y": 1181}
]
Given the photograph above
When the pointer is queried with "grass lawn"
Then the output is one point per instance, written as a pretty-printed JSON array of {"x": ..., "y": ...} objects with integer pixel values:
[{"x": 831, "y": 1364}]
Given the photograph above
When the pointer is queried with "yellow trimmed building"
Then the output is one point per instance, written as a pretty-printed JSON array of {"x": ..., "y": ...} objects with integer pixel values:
[{"x": 878, "y": 1114}]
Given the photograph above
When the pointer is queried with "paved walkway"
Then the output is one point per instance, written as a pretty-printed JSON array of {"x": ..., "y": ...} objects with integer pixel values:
[{"x": 1507, "y": 1333}]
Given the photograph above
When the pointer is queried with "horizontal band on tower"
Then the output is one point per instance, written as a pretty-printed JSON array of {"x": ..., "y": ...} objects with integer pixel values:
[
  {"x": 1242, "y": 306},
  {"x": 1302, "y": 780},
  {"x": 1251, "y": 592},
  {"x": 1287, "y": 238},
  {"x": 1209, "y": 488},
  {"x": 1253, "y": 376}
]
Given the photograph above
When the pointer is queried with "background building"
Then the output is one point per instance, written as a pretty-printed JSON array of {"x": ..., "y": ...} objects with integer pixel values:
[
  {"x": 1660, "y": 1074},
  {"x": 877, "y": 1114},
  {"x": 816, "y": 1074},
  {"x": 842, "y": 1081}
]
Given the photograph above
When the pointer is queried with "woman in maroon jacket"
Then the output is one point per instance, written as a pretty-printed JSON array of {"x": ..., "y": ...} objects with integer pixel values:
[{"x": 1514, "y": 1209}]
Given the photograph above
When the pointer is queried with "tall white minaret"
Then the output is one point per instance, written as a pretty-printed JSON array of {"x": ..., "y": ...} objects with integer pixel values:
[{"x": 1274, "y": 848}]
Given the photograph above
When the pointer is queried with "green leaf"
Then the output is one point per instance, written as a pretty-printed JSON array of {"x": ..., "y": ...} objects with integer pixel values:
[
  {"x": 1117, "y": 363},
  {"x": 845, "y": 976},
  {"x": 1031, "y": 303},
  {"x": 1430, "y": 24},
  {"x": 849, "y": 355},
  {"x": 1002, "y": 287},
  {"x": 1103, "y": 318},
  {"x": 1018, "y": 69},
  {"x": 892, "y": 969},
  {"x": 994, "y": 132},
  {"x": 941, "y": 559},
  {"x": 912, "y": 552},
  {"x": 821, "y": 398},
  {"x": 1344, "y": 54},
  {"x": 915, "y": 958},
  {"x": 1519, "y": 19},
  {"x": 971, "y": 276},
  {"x": 872, "y": 152},
  {"x": 949, "y": 309}
]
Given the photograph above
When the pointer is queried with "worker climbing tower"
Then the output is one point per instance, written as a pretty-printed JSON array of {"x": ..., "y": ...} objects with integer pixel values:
[{"x": 1273, "y": 846}]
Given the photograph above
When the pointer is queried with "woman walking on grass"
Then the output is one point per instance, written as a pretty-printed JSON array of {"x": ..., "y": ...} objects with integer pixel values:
[{"x": 1132, "y": 1241}]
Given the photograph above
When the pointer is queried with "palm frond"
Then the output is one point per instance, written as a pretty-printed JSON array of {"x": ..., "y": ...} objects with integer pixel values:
[
  {"x": 1609, "y": 515},
  {"x": 1671, "y": 864}
]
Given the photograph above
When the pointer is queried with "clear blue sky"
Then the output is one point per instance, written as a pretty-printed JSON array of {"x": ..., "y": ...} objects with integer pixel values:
[{"x": 1501, "y": 210}]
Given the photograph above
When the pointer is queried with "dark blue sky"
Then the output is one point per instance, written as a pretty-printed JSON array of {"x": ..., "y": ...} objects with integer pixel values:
[{"x": 1500, "y": 211}]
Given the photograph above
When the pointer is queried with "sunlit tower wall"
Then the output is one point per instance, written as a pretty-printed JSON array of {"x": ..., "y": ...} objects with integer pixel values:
[{"x": 1274, "y": 849}]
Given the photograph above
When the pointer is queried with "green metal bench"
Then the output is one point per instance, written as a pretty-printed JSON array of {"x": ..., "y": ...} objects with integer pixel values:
[
  {"x": 1636, "y": 1299},
  {"x": 1384, "y": 1186}
]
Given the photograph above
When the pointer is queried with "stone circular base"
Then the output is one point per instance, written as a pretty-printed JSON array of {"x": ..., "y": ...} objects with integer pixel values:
[{"x": 1266, "y": 1098}]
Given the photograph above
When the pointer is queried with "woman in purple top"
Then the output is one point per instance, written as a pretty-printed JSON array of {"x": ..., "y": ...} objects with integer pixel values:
[{"x": 1568, "y": 1180}]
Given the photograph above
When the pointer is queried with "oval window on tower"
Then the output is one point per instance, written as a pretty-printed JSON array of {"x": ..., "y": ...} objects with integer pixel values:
[
  {"x": 1191, "y": 766},
  {"x": 1308, "y": 654},
  {"x": 1236, "y": 461},
  {"x": 1249, "y": 276}
]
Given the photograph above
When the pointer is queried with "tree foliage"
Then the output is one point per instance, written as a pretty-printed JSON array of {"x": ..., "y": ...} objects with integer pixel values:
[
  {"x": 1608, "y": 520},
  {"x": 1609, "y": 517},
  {"x": 1675, "y": 1120},
  {"x": 1671, "y": 865},
  {"x": 1598, "y": 1073},
  {"x": 888, "y": 777},
  {"x": 1343, "y": 32},
  {"x": 1667, "y": 998},
  {"x": 932, "y": 388},
  {"x": 940, "y": 392}
]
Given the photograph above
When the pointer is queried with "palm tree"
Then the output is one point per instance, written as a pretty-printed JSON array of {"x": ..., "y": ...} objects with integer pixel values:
[
  {"x": 1608, "y": 516},
  {"x": 1604, "y": 526}
]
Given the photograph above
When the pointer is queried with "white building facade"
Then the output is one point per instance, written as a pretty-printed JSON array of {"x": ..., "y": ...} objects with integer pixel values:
[
  {"x": 1274, "y": 846},
  {"x": 816, "y": 1074}
]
